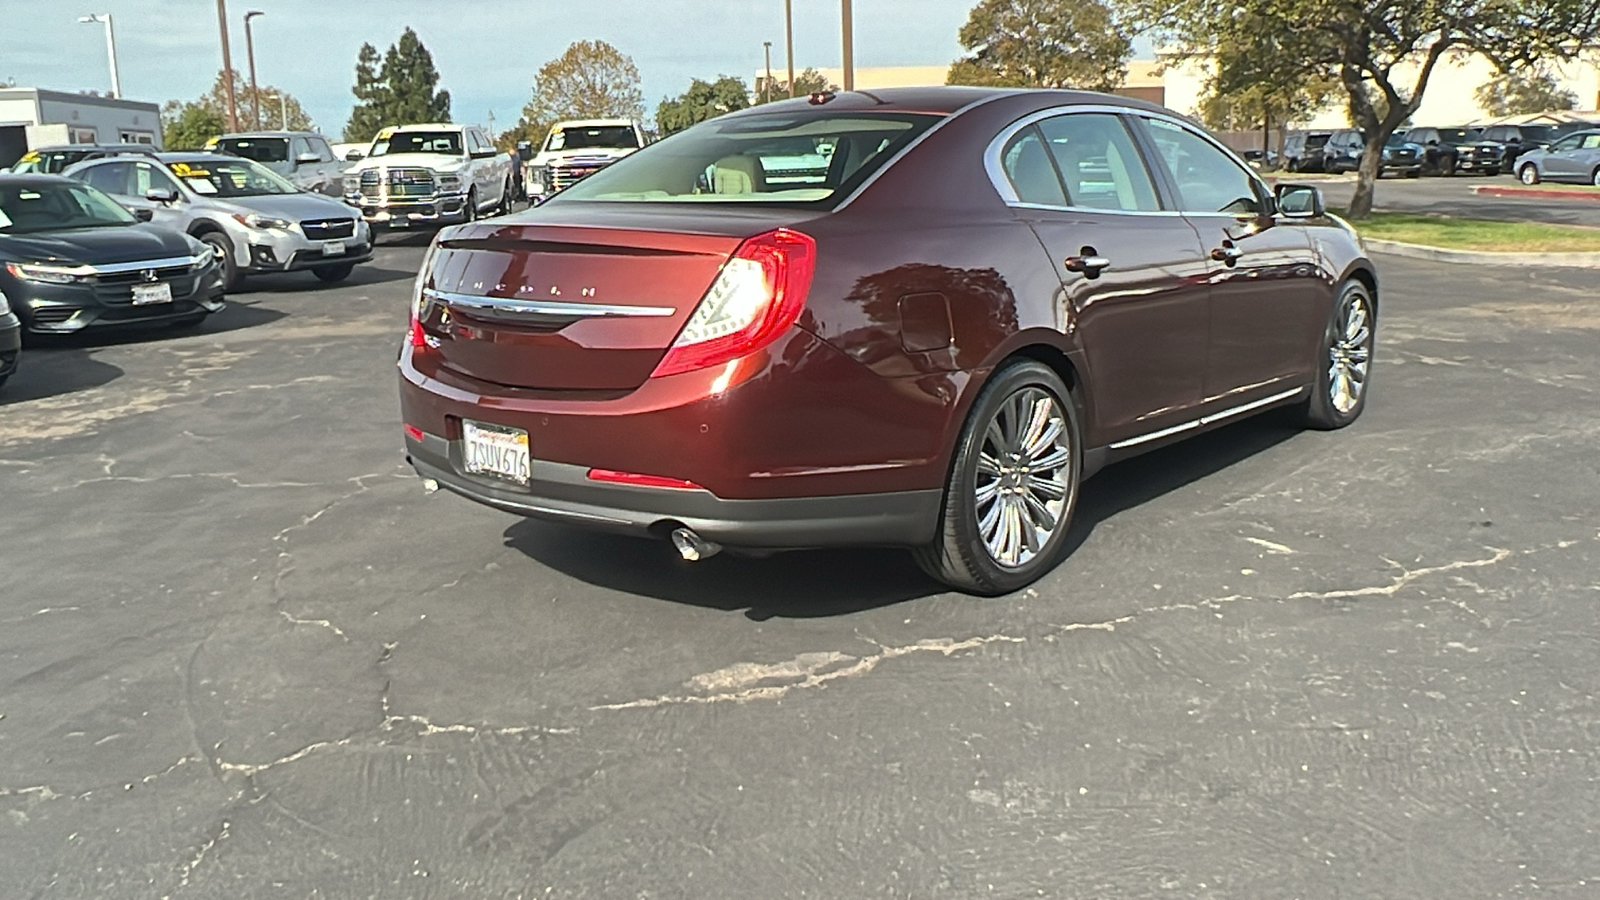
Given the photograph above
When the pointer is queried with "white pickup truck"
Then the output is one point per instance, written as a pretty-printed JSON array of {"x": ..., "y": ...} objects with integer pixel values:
[
  {"x": 577, "y": 148},
  {"x": 417, "y": 176}
]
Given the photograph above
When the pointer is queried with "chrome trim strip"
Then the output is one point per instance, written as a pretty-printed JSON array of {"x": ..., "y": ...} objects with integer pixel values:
[
  {"x": 1002, "y": 185},
  {"x": 117, "y": 268},
  {"x": 1208, "y": 419},
  {"x": 514, "y": 307}
]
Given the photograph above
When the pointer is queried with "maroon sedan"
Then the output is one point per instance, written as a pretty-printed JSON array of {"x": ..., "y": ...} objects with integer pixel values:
[{"x": 914, "y": 318}]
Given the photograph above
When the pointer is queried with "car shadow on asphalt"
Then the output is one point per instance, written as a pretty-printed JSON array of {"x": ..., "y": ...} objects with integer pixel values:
[
  {"x": 52, "y": 372},
  {"x": 306, "y": 283},
  {"x": 820, "y": 583}
]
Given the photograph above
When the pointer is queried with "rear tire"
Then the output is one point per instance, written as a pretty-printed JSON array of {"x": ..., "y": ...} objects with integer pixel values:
[
  {"x": 1012, "y": 487},
  {"x": 1529, "y": 174},
  {"x": 1594, "y": 178},
  {"x": 333, "y": 274},
  {"x": 1344, "y": 362},
  {"x": 232, "y": 278}
]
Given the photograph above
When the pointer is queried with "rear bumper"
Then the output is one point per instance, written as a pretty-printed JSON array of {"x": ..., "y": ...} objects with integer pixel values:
[{"x": 560, "y": 492}]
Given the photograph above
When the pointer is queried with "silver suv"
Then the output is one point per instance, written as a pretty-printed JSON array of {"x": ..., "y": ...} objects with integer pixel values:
[
  {"x": 303, "y": 157},
  {"x": 257, "y": 221}
]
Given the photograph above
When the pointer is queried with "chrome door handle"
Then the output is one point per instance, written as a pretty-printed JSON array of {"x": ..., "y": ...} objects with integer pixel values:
[
  {"x": 1088, "y": 265},
  {"x": 1227, "y": 254}
]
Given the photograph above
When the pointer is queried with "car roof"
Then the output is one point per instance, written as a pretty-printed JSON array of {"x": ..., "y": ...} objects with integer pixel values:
[
  {"x": 268, "y": 134},
  {"x": 429, "y": 126},
  {"x": 194, "y": 156},
  {"x": 593, "y": 123},
  {"x": 6, "y": 178},
  {"x": 944, "y": 100},
  {"x": 54, "y": 148}
]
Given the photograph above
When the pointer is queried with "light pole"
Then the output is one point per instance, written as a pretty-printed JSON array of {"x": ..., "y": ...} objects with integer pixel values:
[
  {"x": 788, "y": 39},
  {"x": 227, "y": 67},
  {"x": 848, "y": 29},
  {"x": 250, "y": 49},
  {"x": 766, "y": 86},
  {"x": 111, "y": 48}
]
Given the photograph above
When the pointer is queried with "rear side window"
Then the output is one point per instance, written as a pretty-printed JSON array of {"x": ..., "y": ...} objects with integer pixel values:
[
  {"x": 808, "y": 158},
  {"x": 1028, "y": 167},
  {"x": 1099, "y": 163},
  {"x": 112, "y": 178},
  {"x": 264, "y": 150}
]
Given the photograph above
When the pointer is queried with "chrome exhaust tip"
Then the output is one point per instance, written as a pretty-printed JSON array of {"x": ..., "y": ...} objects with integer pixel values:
[
  {"x": 430, "y": 486},
  {"x": 692, "y": 547}
]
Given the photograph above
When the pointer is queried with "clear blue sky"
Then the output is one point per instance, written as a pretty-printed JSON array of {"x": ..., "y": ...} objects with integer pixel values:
[{"x": 486, "y": 50}]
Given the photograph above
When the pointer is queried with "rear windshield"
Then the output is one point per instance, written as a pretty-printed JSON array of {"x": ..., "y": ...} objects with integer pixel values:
[
  {"x": 54, "y": 206},
  {"x": 446, "y": 142},
  {"x": 1314, "y": 141},
  {"x": 802, "y": 158},
  {"x": 1458, "y": 135},
  {"x": 267, "y": 150},
  {"x": 621, "y": 137}
]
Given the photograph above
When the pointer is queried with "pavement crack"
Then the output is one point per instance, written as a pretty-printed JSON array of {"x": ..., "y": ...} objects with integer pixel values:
[
  {"x": 1406, "y": 577},
  {"x": 189, "y": 865},
  {"x": 743, "y": 682},
  {"x": 321, "y": 622}
]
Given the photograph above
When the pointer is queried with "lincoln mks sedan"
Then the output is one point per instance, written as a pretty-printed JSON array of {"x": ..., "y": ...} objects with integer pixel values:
[{"x": 915, "y": 318}]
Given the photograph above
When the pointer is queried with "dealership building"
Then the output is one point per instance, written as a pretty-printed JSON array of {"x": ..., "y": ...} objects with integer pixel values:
[{"x": 32, "y": 117}]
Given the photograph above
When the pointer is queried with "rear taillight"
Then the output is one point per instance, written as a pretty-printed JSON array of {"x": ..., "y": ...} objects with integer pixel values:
[
  {"x": 758, "y": 294},
  {"x": 637, "y": 480},
  {"x": 415, "y": 336}
]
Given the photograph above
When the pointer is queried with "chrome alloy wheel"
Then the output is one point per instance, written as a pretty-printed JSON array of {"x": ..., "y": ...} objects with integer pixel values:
[
  {"x": 1022, "y": 484},
  {"x": 1350, "y": 353}
]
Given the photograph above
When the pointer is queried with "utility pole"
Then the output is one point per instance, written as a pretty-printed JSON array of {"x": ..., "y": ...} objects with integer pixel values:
[
  {"x": 766, "y": 86},
  {"x": 788, "y": 39},
  {"x": 111, "y": 49},
  {"x": 227, "y": 67},
  {"x": 848, "y": 29},
  {"x": 250, "y": 47}
]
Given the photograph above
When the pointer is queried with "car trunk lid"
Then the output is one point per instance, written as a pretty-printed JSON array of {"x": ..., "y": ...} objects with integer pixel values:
[{"x": 575, "y": 301}]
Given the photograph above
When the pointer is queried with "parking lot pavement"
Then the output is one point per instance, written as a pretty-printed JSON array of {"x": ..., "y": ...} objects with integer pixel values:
[
  {"x": 1454, "y": 197},
  {"x": 243, "y": 655}
]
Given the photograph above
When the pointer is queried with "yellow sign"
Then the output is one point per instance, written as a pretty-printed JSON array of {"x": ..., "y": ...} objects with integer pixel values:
[
  {"x": 385, "y": 134},
  {"x": 211, "y": 144},
  {"x": 30, "y": 156},
  {"x": 184, "y": 170}
]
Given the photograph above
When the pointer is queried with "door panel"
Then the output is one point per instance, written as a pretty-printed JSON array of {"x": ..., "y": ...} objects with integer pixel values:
[{"x": 1143, "y": 322}]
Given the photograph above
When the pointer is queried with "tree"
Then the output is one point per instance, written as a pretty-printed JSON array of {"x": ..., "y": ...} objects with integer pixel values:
[
  {"x": 186, "y": 126},
  {"x": 1369, "y": 45},
  {"x": 703, "y": 100},
  {"x": 403, "y": 90},
  {"x": 410, "y": 84},
  {"x": 1043, "y": 43},
  {"x": 371, "y": 98},
  {"x": 1521, "y": 91},
  {"x": 591, "y": 80},
  {"x": 1258, "y": 81},
  {"x": 808, "y": 82}
]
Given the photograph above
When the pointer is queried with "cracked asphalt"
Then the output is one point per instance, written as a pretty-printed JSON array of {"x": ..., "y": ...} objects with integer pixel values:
[{"x": 243, "y": 655}]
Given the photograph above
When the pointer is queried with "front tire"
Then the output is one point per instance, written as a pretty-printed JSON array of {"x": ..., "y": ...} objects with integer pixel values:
[
  {"x": 232, "y": 278},
  {"x": 471, "y": 209},
  {"x": 1012, "y": 487},
  {"x": 1345, "y": 361},
  {"x": 1529, "y": 174}
]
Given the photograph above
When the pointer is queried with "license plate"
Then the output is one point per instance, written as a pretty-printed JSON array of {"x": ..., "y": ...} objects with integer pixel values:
[
  {"x": 333, "y": 248},
  {"x": 495, "y": 450},
  {"x": 151, "y": 294}
]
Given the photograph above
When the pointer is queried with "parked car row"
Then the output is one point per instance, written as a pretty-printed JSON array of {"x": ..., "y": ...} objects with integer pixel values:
[{"x": 1449, "y": 151}]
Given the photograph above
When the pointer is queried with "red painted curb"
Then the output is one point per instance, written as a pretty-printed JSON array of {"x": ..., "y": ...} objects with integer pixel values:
[{"x": 1535, "y": 192}]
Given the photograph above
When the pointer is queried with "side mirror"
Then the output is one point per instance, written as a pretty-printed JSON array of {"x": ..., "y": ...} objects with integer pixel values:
[
  {"x": 1299, "y": 201},
  {"x": 161, "y": 195},
  {"x": 354, "y": 156},
  {"x": 1433, "y": 143},
  {"x": 524, "y": 146},
  {"x": 484, "y": 154},
  {"x": 307, "y": 159},
  {"x": 143, "y": 215}
]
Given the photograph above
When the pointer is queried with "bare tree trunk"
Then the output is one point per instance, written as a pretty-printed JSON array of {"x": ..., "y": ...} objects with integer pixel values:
[{"x": 1367, "y": 177}]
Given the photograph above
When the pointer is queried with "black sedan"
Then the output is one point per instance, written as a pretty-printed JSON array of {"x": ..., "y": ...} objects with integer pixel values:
[{"x": 71, "y": 258}]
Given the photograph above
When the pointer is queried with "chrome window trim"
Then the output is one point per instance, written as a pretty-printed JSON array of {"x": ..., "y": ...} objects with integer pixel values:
[
  {"x": 1208, "y": 419},
  {"x": 1002, "y": 184},
  {"x": 513, "y": 306}
]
